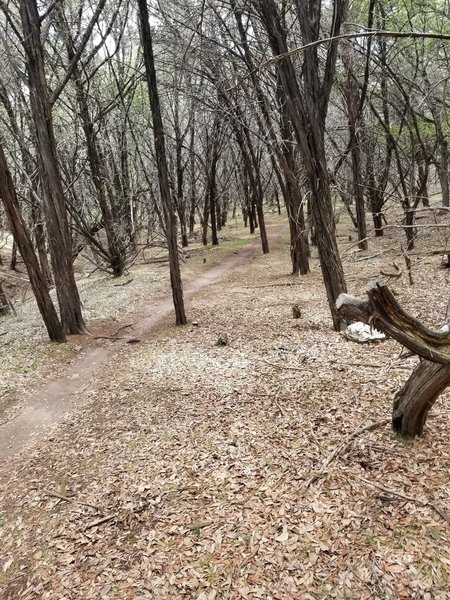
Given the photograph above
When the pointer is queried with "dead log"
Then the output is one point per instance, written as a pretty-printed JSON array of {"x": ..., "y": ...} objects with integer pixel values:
[{"x": 430, "y": 378}]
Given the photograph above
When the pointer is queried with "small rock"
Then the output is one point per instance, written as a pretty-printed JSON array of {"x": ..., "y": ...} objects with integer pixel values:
[{"x": 195, "y": 323}]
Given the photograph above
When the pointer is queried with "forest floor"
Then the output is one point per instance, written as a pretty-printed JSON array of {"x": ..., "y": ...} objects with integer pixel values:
[{"x": 190, "y": 470}]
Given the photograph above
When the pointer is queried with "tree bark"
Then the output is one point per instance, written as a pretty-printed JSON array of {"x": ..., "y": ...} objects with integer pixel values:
[
  {"x": 307, "y": 110},
  {"x": 170, "y": 221},
  {"x": 55, "y": 205},
  {"x": 353, "y": 99},
  {"x": 4, "y": 304},
  {"x": 23, "y": 240},
  {"x": 431, "y": 376},
  {"x": 416, "y": 398}
]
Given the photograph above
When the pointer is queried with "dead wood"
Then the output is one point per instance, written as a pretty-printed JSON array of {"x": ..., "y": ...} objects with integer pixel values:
[
  {"x": 430, "y": 377},
  {"x": 431, "y": 504},
  {"x": 342, "y": 448},
  {"x": 384, "y": 312},
  {"x": 70, "y": 499},
  {"x": 296, "y": 311}
]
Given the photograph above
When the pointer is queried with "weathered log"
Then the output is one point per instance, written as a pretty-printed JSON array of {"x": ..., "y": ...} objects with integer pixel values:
[
  {"x": 384, "y": 312},
  {"x": 430, "y": 378}
]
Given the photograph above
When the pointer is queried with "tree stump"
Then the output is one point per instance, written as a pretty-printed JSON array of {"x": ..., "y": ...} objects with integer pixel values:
[
  {"x": 222, "y": 340},
  {"x": 4, "y": 304},
  {"x": 296, "y": 311},
  {"x": 430, "y": 378}
]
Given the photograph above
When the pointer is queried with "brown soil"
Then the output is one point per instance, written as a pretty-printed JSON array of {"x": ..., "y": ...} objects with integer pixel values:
[
  {"x": 59, "y": 398},
  {"x": 262, "y": 469}
]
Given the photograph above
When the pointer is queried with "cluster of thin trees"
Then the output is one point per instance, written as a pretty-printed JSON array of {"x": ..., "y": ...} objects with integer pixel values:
[{"x": 120, "y": 119}]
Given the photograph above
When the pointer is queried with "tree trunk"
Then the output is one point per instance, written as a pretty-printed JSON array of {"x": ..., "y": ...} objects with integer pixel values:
[
  {"x": 163, "y": 173},
  {"x": 431, "y": 376},
  {"x": 193, "y": 178},
  {"x": 4, "y": 304},
  {"x": 22, "y": 237},
  {"x": 410, "y": 230},
  {"x": 41, "y": 241},
  {"x": 307, "y": 110},
  {"x": 205, "y": 220},
  {"x": 378, "y": 223},
  {"x": 212, "y": 193},
  {"x": 443, "y": 174},
  {"x": 352, "y": 97},
  {"x": 414, "y": 401},
  {"x": 13, "y": 263},
  {"x": 55, "y": 205}
]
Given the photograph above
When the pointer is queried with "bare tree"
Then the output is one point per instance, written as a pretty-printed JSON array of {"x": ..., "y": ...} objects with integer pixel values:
[
  {"x": 55, "y": 204},
  {"x": 170, "y": 222},
  {"x": 23, "y": 240}
]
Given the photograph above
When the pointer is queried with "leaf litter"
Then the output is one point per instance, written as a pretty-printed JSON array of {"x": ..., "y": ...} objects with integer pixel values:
[{"x": 261, "y": 469}]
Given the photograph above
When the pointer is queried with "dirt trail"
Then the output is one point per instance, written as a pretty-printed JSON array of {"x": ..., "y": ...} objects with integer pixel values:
[{"x": 55, "y": 400}]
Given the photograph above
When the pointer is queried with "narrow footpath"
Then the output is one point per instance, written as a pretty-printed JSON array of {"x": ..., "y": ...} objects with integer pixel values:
[{"x": 55, "y": 400}]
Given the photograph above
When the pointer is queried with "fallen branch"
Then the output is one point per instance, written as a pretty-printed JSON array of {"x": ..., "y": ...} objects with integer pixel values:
[
  {"x": 98, "y": 522},
  {"x": 438, "y": 509},
  {"x": 124, "y": 283},
  {"x": 285, "y": 367},
  {"x": 342, "y": 448},
  {"x": 73, "y": 500}
]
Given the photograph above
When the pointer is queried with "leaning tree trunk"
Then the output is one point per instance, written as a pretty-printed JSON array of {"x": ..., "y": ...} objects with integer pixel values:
[
  {"x": 413, "y": 402},
  {"x": 21, "y": 236},
  {"x": 55, "y": 204},
  {"x": 170, "y": 222},
  {"x": 307, "y": 106},
  {"x": 431, "y": 376}
]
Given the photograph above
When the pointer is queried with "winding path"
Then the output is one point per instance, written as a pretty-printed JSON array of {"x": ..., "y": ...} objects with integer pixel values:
[{"x": 55, "y": 400}]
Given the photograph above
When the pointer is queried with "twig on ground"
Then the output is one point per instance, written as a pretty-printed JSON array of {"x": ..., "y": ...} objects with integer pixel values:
[
  {"x": 73, "y": 500},
  {"x": 124, "y": 283},
  {"x": 287, "y": 367},
  {"x": 99, "y": 522},
  {"x": 201, "y": 525},
  {"x": 398, "y": 272},
  {"x": 342, "y": 447},
  {"x": 267, "y": 285},
  {"x": 109, "y": 337},
  {"x": 438, "y": 509},
  {"x": 372, "y": 255},
  {"x": 275, "y": 399},
  {"x": 249, "y": 558}
]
